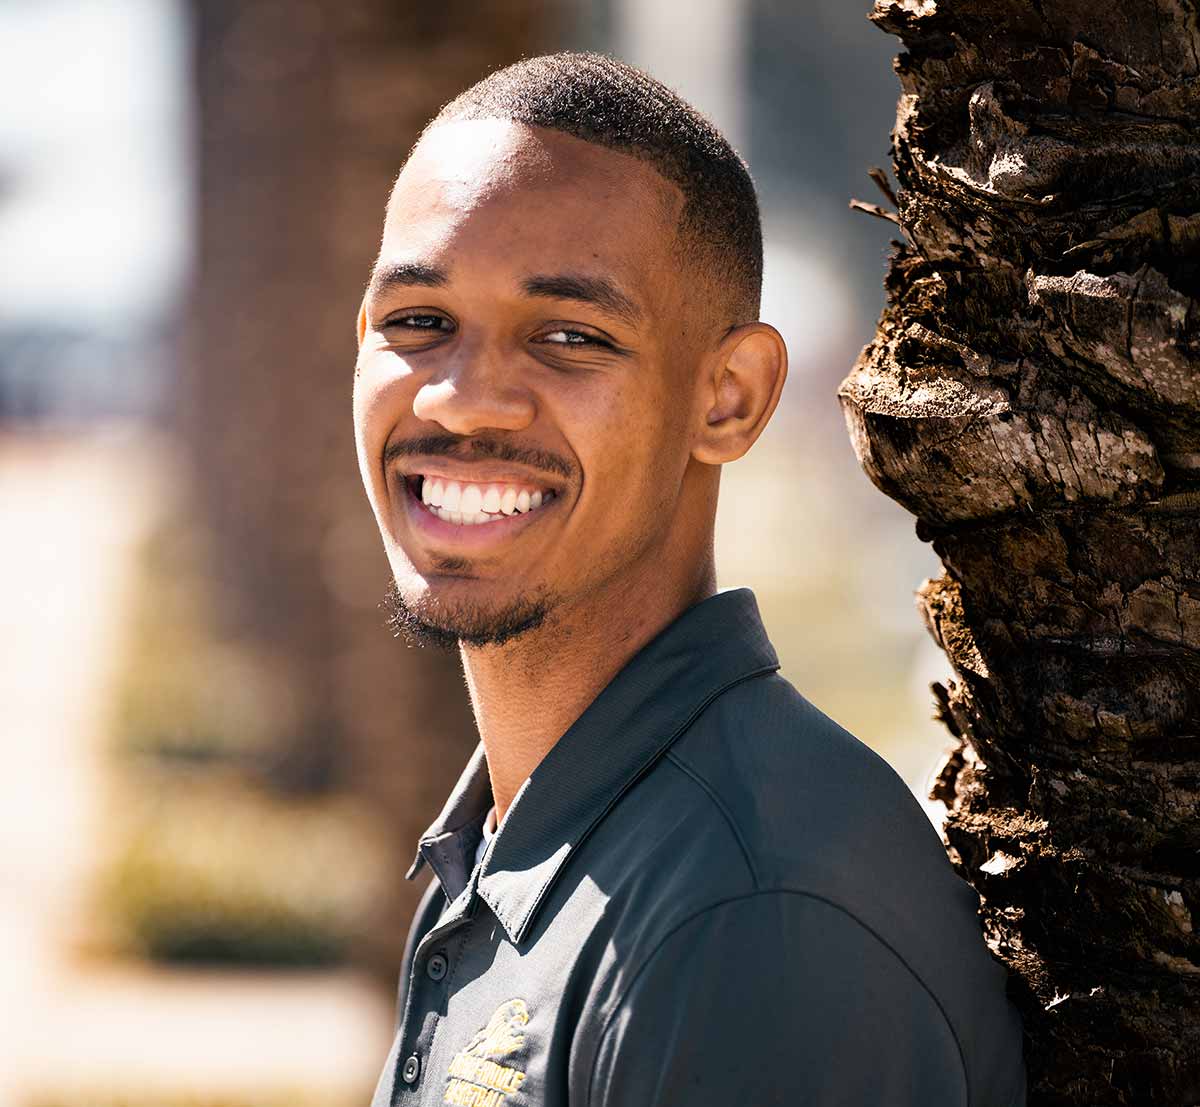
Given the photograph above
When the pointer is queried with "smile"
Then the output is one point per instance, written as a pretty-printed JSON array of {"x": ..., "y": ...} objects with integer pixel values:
[{"x": 468, "y": 504}]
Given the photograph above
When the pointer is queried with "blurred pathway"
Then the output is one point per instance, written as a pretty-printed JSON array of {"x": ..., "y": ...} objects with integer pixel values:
[{"x": 73, "y": 507}]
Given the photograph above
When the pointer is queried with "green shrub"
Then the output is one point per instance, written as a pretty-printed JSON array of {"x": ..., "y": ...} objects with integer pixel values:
[
  {"x": 211, "y": 870},
  {"x": 186, "y": 693}
]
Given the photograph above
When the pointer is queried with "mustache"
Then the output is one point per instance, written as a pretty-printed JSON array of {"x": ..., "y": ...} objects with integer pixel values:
[{"x": 479, "y": 449}]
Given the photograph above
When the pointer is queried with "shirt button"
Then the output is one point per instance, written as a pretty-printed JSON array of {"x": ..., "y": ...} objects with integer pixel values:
[
  {"x": 437, "y": 966},
  {"x": 411, "y": 1070}
]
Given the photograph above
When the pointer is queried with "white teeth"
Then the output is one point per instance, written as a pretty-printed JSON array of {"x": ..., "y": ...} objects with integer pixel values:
[
  {"x": 468, "y": 505},
  {"x": 472, "y": 498}
]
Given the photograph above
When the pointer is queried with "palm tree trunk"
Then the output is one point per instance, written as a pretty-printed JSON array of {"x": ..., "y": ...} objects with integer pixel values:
[
  {"x": 1032, "y": 395},
  {"x": 305, "y": 111}
]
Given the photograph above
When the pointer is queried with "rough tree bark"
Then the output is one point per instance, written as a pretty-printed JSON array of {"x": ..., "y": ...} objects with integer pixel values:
[
  {"x": 1032, "y": 395},
  {"x": 305, "y": 110}
]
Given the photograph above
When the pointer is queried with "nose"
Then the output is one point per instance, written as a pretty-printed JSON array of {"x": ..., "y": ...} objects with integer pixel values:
[{"x": 477, "y": 391}]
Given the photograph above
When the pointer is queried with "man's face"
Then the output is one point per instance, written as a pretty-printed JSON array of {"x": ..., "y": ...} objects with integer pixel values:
[{"x": 526, "y": 384}]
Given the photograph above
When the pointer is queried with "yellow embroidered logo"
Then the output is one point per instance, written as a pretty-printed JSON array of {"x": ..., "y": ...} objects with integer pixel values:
[{"x": 475, "y": 1079}]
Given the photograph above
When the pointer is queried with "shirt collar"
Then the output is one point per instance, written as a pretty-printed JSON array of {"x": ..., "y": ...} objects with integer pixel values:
[{"x": 712, "y": 646}]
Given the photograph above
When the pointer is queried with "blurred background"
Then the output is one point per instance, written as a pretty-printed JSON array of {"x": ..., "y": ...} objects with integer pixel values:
[{"x": 217, "y": 760}]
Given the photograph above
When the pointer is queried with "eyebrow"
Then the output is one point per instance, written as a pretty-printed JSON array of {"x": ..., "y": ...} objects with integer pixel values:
[
  {"x": 599, "y": 292},
  {"x": 398, "y": 273}
]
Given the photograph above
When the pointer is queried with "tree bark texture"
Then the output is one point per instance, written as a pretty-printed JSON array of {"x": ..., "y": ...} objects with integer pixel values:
[
  {"x": 305, "y": 110},
  {"x": 1032, "y": 395}
]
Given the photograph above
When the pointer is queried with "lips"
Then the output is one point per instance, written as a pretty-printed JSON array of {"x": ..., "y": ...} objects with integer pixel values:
[{"x": 439, "y": 528}]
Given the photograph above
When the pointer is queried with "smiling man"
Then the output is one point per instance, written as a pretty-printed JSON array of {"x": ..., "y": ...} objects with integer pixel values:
[{"x": 664, "y": 877}]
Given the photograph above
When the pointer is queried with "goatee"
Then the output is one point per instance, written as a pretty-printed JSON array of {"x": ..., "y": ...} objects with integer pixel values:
[{"x": 427, "y": 623}]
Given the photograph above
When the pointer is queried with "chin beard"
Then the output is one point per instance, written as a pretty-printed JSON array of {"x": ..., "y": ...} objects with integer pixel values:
[{"x": 425, "y": 622}]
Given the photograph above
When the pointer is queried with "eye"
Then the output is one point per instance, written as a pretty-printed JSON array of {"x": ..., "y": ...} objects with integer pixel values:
[
  {"x": 420, "y": 321},
  {"x": 564, "y": 337}
]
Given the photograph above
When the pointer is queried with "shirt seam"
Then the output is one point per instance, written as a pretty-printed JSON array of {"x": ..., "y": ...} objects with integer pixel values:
[
  {"x": 753, "y": 895},
  {"x": 720, "y": 805}
]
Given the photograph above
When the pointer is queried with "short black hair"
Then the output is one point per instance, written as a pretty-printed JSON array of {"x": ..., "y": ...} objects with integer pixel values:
[{"x": 601, "y": 100}]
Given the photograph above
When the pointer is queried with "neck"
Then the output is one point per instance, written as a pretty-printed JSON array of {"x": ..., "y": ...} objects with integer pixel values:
[{"x": 527, "y": 693}]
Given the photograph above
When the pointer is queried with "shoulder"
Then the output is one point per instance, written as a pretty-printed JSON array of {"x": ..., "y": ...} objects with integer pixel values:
[
  {"x": 786, "y": 776},
  {"x": 770, "y": 826},
  {"x": 763, "y": 791}
]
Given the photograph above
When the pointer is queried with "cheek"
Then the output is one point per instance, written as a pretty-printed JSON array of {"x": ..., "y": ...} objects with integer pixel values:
[
  {"x": 633, "y": 446},
  {"x": 381, "y": 398},
  {"x": 382, "y": 395}
]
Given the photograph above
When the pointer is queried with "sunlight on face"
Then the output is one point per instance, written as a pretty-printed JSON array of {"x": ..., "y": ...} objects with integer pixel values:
[{"x": 525, "y": 333}]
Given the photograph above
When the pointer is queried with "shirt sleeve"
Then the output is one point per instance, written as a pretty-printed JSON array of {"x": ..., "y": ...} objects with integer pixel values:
[{"x": 776, "y": 998}]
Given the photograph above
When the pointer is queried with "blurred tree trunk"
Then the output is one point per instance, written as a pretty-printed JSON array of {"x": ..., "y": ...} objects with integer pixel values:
[
  {"x": 1033, "y": 396},
  {"x": 305, "y": 110}
]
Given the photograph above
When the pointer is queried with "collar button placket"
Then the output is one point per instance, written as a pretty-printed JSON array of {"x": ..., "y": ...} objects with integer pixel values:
[{"x": 426, "y": 990}]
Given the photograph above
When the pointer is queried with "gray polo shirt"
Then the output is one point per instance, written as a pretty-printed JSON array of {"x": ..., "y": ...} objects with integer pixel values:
[{"x": 706, "y": 893}]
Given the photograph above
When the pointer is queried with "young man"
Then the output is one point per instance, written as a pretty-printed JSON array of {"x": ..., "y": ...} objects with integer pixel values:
[{"x": 664, "y": 878}]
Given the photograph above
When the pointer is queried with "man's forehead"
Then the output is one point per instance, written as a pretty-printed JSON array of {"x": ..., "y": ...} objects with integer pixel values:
[
  {"x": 539, "y": 199},
  {"x": 470, "y": 160},
  {"x": 462, "y": 166}
]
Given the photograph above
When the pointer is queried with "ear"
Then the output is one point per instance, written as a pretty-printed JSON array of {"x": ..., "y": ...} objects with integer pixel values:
[
  {"x": 361, "y": 326},
  {"x": 747, "y": 375}
]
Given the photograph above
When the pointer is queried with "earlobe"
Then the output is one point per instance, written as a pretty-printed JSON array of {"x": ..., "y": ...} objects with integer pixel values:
[{"x": 742, "y": 393}]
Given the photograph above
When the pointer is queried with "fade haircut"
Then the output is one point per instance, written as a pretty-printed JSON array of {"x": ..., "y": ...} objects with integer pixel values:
[{"x": 607, "y": 102}]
